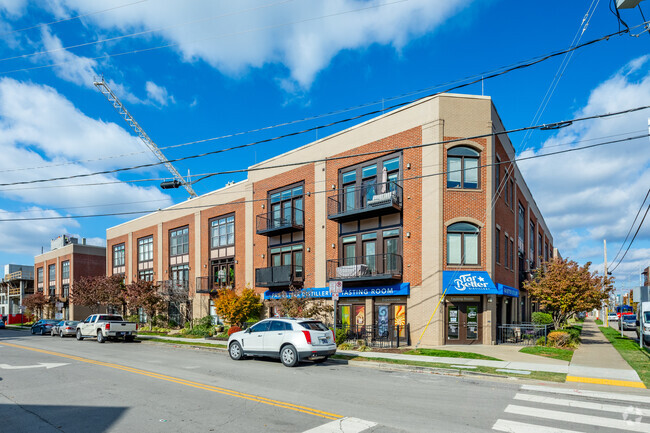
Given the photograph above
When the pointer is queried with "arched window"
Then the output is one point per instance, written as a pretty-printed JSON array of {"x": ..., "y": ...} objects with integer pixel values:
[
  {"x": 462, "y": 167},
  {"x": 462, "y": 244}
]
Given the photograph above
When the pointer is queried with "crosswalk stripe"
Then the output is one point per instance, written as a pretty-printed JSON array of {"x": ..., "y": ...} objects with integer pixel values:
[
  {"x": 520, "y": 427},
  {"x": 595, "y": 394},
  {"x": 343, "y": 425},
  {"x": 578, "y": 418},
  {"x": 580, "y": 404}
]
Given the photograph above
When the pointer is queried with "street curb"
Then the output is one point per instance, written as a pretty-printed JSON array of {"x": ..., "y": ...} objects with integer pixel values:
[{"x": 611, "y": 382}]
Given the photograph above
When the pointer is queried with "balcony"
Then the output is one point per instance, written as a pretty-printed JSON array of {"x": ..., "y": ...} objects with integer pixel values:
[
  {"x": 211, "y": 285},
  {"x": 366, "y": 201},
  {"x": 272, "y": 224},
  {"x": 280, "y": 276},
  {"x": 365, "y": 268},
  {"x": 173, "y": 288}
]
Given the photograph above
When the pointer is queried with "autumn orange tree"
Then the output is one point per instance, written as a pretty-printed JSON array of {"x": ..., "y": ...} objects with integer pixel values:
[
  {"x": 237, "y": 308},
  {"x": 35, "y": 303},
  {"x": 564, "y": 288}
]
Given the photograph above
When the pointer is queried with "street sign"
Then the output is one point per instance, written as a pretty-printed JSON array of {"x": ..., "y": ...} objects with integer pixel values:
[
  {"x": 335, "y": 296},
  {"x": 336, "y": 287}
]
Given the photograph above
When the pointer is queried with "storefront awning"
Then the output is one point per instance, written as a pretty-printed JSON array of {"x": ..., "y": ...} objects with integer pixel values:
[
  {"x": 507, "y": 290},
  {"x": 400, "y": 289},
  {"x": 468, "y": 283}
]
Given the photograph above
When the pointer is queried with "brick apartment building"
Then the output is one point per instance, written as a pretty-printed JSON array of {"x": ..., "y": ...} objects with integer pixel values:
[
  {"x": 55, "y": 270},
  {"x": 392, "y": 208}
]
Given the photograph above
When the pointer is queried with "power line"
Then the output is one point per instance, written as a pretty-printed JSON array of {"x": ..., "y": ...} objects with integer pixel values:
[
  {"x": 214, "y": 152},
  {"x": 633, "y": 238},
  {"x": 476, "y": 78},
  {"x": 71, "y": 18},
  {"x": 224, "y": 35},
  {"x": 144, "y": 32},
  {"x": 631, "y": 227},
  {"x": 329, "y": 190}
]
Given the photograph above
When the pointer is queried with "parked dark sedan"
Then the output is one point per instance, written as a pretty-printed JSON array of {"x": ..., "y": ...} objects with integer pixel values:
[{"x": 43, "y": 326}]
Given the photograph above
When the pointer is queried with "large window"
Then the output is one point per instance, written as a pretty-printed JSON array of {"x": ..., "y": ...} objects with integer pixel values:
[
  {"x": 223, "y": 273},
  {"x": 65, "y": 270},
  {"x": 145, "y": 250},
  {"x": 39, "y": 276},
  {"x": 359, "y": 184},
  {"x": 222, "y": 231},
  {"x": 497, "y": 249},
  {"x": 51, "y": 275},
  {"x": 540, "y": 256},
  {"x": 286, "y": 206},
  {"x": 118, "y": 255},
  {"x": 462, "y": 244},
  {"x": 506, "y": 257},
  {"x": 462, "y": 167},
  {"x": 179, "y": 241},
  {"x": 531, "y": 245},
  {"x": 512, "y": 254},
  {"x": 521, "y": 233},
  {"x": 287, "y": 256},
  {"x": 180, "y": 273},
  {"x": 145, "y": 275}
]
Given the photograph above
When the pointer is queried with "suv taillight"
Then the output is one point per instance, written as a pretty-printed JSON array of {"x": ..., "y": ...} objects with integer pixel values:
[
  {"x": 334, "y": 336},
  {"x": 307, "y": 336},
  {"x": 137, "y": 326},
  {"x": 108, "y": 326}
]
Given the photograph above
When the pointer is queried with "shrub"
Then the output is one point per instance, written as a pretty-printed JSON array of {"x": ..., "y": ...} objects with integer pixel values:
[
  {"x": 345, "y": 346},
  {"x": 364, "y": 348},
  {"x": 574, "y": 334},
  {"x": 341, "y": 335},
  {"x": 540, "y": 318},
  {"x": 233, "y": 329},
  {"x": 558, "y": 339},
  {"x": 541, "y": 341},
  {"x": 133, "y": 318}
]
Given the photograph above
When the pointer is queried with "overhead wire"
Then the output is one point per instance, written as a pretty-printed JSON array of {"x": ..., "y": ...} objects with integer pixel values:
[
  {"x": 631, "y": 226},
  {"x": 476, "y": 78},
  {"x": 324, "y": 191},
  {"x": 71, "y": 18},
  {"x": 214, "y": 152},
  {"x": 631, "y": 241}
]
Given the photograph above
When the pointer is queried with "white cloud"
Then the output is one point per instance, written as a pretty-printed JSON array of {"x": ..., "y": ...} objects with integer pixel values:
[
  {"x": 13, "y": 8},
  {"x": 41, "y": 128},
  {"x": 158, "y": 94},
  {"x": 601, "y": 188},
  {"x": 302, "y": 35},
  {"x": 27, "y": 237}
]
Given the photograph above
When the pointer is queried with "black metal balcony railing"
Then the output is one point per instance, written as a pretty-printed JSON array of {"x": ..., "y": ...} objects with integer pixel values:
[
  {"x": 371, "y": 267},
  {"x": 211, "y": 285},
  {"x": 275, "y": 223},
  {"x": 279, "y": 276},
  {"x": 371, "y": 199},
  {"x": 173, "y": 287}
]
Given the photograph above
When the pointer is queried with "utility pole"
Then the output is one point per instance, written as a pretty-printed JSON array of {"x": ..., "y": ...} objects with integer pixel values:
[{"x": 605, "y": 264}]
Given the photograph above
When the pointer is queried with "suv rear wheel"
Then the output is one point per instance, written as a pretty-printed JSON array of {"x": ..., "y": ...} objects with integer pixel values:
[{"x": 289, "y": 356}]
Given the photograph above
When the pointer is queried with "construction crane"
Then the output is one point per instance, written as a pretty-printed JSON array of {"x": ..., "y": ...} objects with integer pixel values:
[{"x": 102, "y": 86}]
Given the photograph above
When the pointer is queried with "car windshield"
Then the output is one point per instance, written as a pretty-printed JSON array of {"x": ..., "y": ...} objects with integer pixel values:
[
  {"x": 647, "y": 316},
  {"x": 629, "y": 318},
  {"x": 314, "y": 326}
]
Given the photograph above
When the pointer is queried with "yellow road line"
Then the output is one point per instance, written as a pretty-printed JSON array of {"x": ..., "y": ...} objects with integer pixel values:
[
  {"x": 613, "y": 382},
  {"x": 224, "y": 391}
]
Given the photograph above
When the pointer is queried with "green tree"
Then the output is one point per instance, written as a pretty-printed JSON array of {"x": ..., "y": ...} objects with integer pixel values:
[
  {"x": 238, "y": 308},
  {"x": 564, "y": 288}
]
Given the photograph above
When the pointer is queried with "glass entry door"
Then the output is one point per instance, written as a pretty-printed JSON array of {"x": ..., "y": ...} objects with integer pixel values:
[{"x": 462, "y": 323}]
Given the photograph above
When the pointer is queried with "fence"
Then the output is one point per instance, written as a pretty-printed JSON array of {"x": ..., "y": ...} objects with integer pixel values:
[
  {"x": 523, "y": 334},
  {"x": 377, "y": 335}
]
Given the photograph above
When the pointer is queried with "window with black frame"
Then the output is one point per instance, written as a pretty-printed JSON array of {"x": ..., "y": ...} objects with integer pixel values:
[
  {"x": 462, "y": 168},
  {"x": 222, "y": 231},
  {"x": 179, "y": 241},
  {"x": 366, "y": 182},
  {"x": 286, "y": 207},
  {"x": 118, "y": 255},
  {"x": 51, "y": 271},
  {"x": 462, "y": 244}
]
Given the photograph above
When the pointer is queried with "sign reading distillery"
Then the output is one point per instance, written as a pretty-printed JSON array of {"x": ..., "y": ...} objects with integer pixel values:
[{"x": 400, "y": 289}]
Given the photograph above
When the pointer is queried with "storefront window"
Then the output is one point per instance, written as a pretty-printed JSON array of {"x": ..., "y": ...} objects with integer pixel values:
[{"x": 452, "y": 323}]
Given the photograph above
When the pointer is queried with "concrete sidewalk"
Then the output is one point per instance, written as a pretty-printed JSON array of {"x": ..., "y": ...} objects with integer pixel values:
[{"x": 597, "y": 361}]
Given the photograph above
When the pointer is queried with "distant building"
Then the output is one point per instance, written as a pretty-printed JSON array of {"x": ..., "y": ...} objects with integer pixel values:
[
  {"x": 56, "y": 270},
  {"x": 18, "y": 281}
]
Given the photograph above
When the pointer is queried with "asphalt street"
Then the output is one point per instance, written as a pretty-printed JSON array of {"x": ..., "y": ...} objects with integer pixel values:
[{"x": 49, "y": 384}]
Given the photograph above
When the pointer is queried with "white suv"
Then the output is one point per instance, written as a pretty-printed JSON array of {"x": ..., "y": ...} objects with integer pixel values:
[{"x": 291, "y": 340}]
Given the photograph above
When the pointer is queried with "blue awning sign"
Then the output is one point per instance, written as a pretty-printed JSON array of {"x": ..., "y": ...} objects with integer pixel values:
[
  {"x": 507, "y": 290},
  {"x": 467, "y": 283},
  {"x": 400, "y": 289}
]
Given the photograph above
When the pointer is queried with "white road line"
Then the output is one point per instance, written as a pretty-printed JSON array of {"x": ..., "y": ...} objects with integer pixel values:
[
  {"x": 521, "y": 427},
  {"x": 594, "y": 394},
  {"x": 580, "y": 404},
  {"x": 344, "y": 425},
  {"x": 556, "y": 415}
]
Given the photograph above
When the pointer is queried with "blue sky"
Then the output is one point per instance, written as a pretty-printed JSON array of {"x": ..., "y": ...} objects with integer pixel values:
[{"x": 231, "y": 67}]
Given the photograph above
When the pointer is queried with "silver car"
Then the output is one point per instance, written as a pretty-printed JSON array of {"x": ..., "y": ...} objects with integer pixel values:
[
  {"x": 65, "y": 328},
  {"x": 291, "y": 340}
]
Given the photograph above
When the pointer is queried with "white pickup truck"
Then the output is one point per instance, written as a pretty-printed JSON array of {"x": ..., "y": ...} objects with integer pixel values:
[{"x": 106, "y": 326}]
